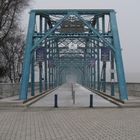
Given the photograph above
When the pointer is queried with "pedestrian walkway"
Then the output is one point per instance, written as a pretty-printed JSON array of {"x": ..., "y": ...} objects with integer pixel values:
[
  {"x": 71, "y": 124},
  {"x": 82, "y": 98}
]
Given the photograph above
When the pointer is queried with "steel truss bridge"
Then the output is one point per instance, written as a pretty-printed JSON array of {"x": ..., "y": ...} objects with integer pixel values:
[{"x": 82, "y": 43}]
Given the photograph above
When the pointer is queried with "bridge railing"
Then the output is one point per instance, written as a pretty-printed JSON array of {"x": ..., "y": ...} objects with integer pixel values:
[
  {"x": 8, "y": 89},
  {"x": 133, "y": 88}
]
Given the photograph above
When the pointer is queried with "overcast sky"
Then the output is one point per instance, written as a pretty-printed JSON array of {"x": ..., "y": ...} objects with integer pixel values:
[{"x": 128, "y": 19}]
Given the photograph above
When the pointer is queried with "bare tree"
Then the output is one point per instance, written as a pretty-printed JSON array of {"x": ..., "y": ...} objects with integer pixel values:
[
  {"x": 12, "y": 52},
  {"x": 9, "y": 12},
  {"x": 11, "y": 38}
]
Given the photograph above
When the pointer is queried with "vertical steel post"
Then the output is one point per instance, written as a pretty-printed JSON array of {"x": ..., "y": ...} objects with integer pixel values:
[
  {"x": 104, "y": 63},
  {"x": 32, "y": 76},
  {"x": 57, "y": 66},
  {"x": 45, "y": 63},
  {"x": 84, "y": 75},
  {"x": 55, "y": 76},
  {"x": 118, "y": 58},
  {"x": 84, "y": 72},
  {"x": 112, "y": 74},
  {"x": 98, "y": 60},
  {"x": 40, "y": 63},
  {"x": 87, "y": 70},
  {"x": 92, "y": 65},
  {"x": 53, "y": 64},
  {"x": 60, "y": 78},
  {"x": 59, "y": 75},
  {"x": 98, "y": 68},
  {"x": 94, "y": 70},
  {"x": 49, "y": 71},
  {"x": 52, "y": 77},
  {"x": 49, "y": 78},
  {"x": 40, "y": 77},
  {"x": 27, "y": 58},
  {"x": 45, "y": 69},
  {"x": 91, "y": 73},
  {"x": 87, "y": 74}
]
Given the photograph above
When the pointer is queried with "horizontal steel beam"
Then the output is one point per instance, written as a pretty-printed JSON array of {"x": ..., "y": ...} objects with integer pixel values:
[
  {"x": 79, "y": 11},
  {"x": 72, "y": 35}
]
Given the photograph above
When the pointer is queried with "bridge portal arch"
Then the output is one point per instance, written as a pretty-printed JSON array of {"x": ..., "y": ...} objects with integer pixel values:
[{"x": 85, "y": 41}]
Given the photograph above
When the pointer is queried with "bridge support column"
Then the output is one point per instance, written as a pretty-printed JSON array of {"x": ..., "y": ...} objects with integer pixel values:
[
  {"x": 118, "y": 58},
  {"x": 32, "y": 76},
  {"x": 40, "y": 77},
  {"x": 46, "y": 75},
  {"x": 112, "y": 75},
  {"x": 27, "y": 59}
]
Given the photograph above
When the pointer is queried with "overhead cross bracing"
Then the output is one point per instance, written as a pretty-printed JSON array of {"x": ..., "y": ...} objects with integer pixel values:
[{"x": 80, "y": 42}]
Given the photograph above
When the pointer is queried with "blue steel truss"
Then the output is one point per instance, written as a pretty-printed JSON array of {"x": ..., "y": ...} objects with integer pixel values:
[{"x": 73, "y": 40}]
